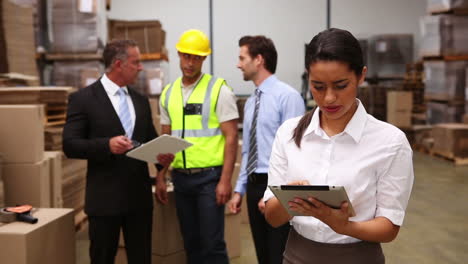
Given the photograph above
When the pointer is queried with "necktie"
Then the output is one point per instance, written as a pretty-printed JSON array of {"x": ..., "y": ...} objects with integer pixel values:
[
  {"x": 253, "y": 150},
  {"x": 124, "y": 113}
]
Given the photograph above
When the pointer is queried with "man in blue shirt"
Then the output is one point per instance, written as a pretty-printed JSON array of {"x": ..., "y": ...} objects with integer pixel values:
[{"x": 272, "y": 103}]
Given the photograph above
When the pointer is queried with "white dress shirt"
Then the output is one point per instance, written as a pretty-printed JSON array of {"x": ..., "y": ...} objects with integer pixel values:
[
  {"x": 370, "y": 158},
  {"x": 112, "y": 91}
]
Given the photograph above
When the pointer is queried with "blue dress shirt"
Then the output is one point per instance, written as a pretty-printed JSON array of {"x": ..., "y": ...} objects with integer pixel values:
[{"x": 278, "y": 103}]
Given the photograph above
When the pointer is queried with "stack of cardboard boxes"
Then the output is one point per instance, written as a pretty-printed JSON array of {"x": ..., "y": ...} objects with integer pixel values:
[
  {"x": 3, "y": 52},
  {"x": 443, "y": 46},
  {"x": 51, "y": 240},
  {"x": 73, "y": 26},
  {"x": 150, "y": 38},
  {"x": 75, "y": 45},
  {"x": 25, "y": 168},
  {"x": 19, "y": 47},
  {"x": 445, "y": 53},
  {"x": 33, "y": 175}
]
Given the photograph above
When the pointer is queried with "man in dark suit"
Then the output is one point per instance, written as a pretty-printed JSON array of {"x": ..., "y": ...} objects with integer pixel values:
[{"x": 102, "y": 121}]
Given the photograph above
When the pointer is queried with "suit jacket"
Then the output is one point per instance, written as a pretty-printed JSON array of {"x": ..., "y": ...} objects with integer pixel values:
[{"x": 115, "y": 184}]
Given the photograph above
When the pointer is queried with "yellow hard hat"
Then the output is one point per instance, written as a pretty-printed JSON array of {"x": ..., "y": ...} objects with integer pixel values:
[{"x": 194, "y": 42}]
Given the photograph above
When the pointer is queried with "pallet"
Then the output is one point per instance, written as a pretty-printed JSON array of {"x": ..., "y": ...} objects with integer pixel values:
[
  {"x": 154, "y": 56},
  {"x": 449, "y": 157},
  {"x": 56, "y": 114},
  {"x": 444, "y": 98},
  {"x": 73, "y": 56},
  {"x": 81, "y": 220},
  {"x": 445, "y": 57},
  {"x": 421, "y": 149},
  {"x": 458, "y": 11}
]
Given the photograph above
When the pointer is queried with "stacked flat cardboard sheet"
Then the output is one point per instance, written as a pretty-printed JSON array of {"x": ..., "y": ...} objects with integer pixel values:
[{"x": 18, "y": 27}]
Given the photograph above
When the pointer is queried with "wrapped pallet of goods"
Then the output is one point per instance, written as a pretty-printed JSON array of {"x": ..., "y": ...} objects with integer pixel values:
[
  {"x": 153, "y": 78},
  {"x": 444, "y": 35},
  {"x": 74, "y": 26},
  {"x": 389, "y": 54},
  {"x": 445, "y": 80},
  {"x": 443, "y": 112},
  {"x": 456, "y": 6},
  {"x": 76, "y": 73},
  {"x": 451, "y": 141}
]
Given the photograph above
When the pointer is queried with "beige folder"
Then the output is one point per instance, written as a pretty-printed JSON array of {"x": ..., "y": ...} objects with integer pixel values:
[{"x": 160, "y": 145}]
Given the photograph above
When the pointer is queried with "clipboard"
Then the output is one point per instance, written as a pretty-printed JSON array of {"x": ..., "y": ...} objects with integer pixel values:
[
  {"x": 160, "y": 145},
  {"x": 333, "y": 196}
]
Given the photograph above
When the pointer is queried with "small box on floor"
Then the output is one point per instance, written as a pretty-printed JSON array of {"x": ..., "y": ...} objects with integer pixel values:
[
  {"x": 27, "y": 183},
  {"x": 451, "y": 140},
  {"x": 51, "y": 240}
]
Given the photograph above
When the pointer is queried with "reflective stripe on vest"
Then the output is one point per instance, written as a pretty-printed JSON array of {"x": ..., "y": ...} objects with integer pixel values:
[{"x": 201, "y": 130}]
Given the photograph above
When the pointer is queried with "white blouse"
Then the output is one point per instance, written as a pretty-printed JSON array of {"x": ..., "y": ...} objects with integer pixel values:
[{"x": 370, "y": 158}]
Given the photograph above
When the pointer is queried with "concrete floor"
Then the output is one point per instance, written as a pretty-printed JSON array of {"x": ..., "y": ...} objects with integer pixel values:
[{"x": 436, "y": 225}]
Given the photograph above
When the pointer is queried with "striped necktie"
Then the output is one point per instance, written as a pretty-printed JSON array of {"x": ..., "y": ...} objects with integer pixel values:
[
  {"x": 124, "y": 113},
  {"x": 253, "y": 149}
]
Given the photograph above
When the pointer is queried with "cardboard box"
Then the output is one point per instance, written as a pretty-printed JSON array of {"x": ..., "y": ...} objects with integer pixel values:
[
  {"x": 121, "y": 257},
  {"x": 148, "y": 34},
  {"x": 399, "y": 108},
  {"x": 22, "y": 133},
  {"x": 154, "y": 105},
  {"x": 27, "y": 183},
  {"x": 53, "y": 137},
  {"x": 88, "y": 76},
  {"x": 239, "y": 152},
  {"x": 2, "y": 195},
  {"x": 232, "y": 235},
  {"x": 56, "y": 174},
  {"x": 175, "y": 258},
  {"x": 167, "y": 238},
  {"x": 451, "y": 140},
  {"x": 51, "y": 240}
]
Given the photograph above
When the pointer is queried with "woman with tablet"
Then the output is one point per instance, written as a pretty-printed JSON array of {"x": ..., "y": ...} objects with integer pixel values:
[{"x": 339, "y": 144}]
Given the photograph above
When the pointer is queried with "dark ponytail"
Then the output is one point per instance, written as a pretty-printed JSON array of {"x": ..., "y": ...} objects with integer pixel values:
[
  {"x": 302, "y": 126},
  {"x": 330, "y": 45}
]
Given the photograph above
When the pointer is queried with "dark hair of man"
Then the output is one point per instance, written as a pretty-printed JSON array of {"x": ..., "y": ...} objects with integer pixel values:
[
  {"x": 116, "y": 50},
  {"x": 330, "y": 45},
  {"x": 263, "y": 46}
]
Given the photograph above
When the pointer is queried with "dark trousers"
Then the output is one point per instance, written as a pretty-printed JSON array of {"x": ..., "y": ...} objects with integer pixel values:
[
  {"x": 104, "y": 232},
  {"x": 201, "y": 219},
  {"x": 269, "y": 242}
]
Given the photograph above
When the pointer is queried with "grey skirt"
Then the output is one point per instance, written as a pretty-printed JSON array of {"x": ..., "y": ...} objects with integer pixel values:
[{"x": 300, "y": 250}]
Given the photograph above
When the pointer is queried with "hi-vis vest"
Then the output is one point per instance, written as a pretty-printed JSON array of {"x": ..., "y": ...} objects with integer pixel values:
[{"x": 196, "y": 122}]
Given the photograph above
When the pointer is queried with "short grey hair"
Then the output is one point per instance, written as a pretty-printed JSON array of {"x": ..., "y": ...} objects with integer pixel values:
[{"x": 116, "y": 50}]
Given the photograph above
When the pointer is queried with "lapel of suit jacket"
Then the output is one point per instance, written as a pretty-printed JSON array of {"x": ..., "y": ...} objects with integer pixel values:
[{"x": 107, "y": 107}]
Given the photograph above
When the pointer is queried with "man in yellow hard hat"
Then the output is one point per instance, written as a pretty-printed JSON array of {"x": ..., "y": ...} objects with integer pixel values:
[{"x": 201, "y": 109}]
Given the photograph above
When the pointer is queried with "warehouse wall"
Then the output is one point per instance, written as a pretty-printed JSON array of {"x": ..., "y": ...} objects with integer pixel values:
[{"x": 289, "y": 23}]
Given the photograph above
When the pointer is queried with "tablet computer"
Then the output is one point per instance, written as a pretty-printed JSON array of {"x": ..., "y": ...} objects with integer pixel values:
[{"x": 333, "y": 196}]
